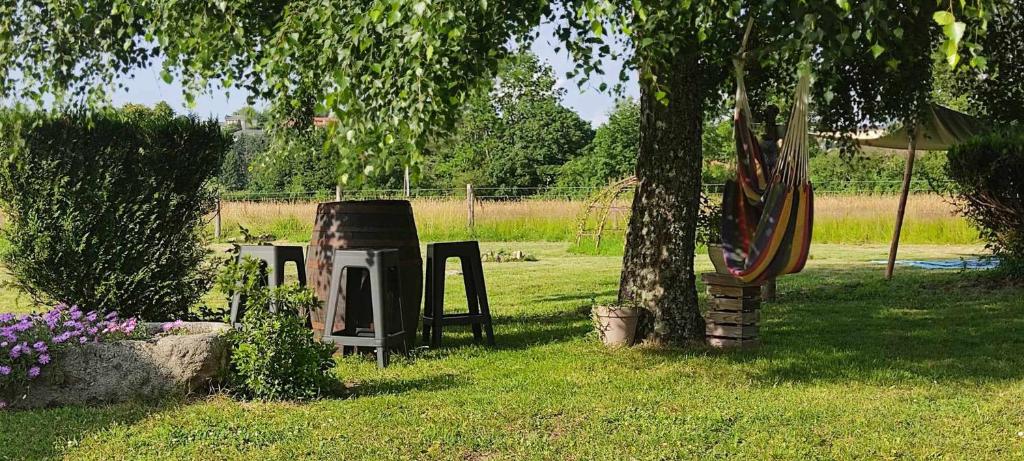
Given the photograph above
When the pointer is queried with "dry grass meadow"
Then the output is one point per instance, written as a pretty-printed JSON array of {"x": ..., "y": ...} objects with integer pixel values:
[{"x": 846, "y": 219}]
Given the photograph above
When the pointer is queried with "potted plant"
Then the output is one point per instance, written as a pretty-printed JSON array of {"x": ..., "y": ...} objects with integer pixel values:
[
  {"x": 709, "y": 221},
  {"x": 616, "y": 324}
]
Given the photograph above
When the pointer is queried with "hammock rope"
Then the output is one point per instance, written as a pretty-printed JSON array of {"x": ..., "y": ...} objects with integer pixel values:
[{"x": 768, "y": 216}]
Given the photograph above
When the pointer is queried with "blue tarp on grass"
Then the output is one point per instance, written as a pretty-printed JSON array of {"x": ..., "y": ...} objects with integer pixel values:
[{"x": 949, "y": 264}]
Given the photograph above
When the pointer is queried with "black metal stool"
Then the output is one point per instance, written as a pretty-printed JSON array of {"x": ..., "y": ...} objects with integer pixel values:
[
  {"x": 272, "y": 257},
  {"x": 385, "y": 300},
  {"x": 476, "y": 292}
]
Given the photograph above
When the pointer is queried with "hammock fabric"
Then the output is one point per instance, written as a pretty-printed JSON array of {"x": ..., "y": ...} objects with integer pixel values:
[{"x": 768, "y": 215}]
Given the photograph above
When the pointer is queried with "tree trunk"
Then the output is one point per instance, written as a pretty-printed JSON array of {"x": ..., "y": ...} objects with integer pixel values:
[{"x": 657, "y": 270}]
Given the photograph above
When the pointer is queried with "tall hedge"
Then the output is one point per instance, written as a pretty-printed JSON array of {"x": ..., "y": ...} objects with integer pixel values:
[
  {"x": 105, "y": 211},
  {"x": 989, "y": 174}
]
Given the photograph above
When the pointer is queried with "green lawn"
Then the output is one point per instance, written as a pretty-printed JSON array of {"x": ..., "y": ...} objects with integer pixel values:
[{"x": 926, "y": 367}]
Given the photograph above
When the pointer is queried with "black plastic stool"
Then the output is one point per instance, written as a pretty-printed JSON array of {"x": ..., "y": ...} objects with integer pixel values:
[
  {"x": 272, "y": 257},
  {"x": 385, "y": 300},
  {"x": 476, "y": 292}
]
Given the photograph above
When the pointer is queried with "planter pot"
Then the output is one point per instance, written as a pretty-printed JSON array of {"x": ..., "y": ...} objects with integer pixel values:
[
  {"x": 616, "y": 324},
  {"x": 133, "y": 370},
  {"x": 717, "y": 256}
]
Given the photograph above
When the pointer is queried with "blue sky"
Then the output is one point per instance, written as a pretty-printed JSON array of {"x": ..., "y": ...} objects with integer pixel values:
[{"x": 148, "y": 88}]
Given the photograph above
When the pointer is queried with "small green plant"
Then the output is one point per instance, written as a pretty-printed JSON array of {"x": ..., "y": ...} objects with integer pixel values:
[
  {"x": 274, "y": 355},
  {"x": 709, "y": 221},
  {"x": 505, "y": 256},
  {"x": 248, "y": 238}
]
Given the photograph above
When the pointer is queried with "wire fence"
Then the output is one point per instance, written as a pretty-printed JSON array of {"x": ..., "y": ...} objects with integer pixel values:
[{"x": 880, "y": 187}]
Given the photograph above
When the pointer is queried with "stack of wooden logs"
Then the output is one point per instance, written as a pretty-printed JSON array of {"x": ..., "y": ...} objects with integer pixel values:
[{"x": 734, "y": 310}]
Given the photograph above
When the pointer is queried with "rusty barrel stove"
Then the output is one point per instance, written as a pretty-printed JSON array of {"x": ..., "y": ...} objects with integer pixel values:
[{"x": 355, "y": 224}]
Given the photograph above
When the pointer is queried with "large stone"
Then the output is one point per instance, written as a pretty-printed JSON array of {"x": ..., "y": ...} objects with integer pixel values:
[{"x": 121, "y": 371}]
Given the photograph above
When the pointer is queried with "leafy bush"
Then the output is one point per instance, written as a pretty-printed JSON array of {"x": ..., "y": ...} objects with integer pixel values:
[
  {"x": 29, "y": 343},
  {"x": 989, "y": 175},
  {"x": 105, "y": 211},
  {"x": 709, "y": 222},
  {"x": 274, "y": 355}
]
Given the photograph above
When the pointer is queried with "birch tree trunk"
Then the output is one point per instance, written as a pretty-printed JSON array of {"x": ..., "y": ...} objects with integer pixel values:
[{"x": 657, "y": 268}]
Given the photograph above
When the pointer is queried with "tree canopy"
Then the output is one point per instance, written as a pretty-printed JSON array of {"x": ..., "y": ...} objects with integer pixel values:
[{"x": 398, "y": 71}]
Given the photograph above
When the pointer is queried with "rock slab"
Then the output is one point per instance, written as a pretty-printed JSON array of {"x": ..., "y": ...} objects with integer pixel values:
[{"x": 134, "y": 370}]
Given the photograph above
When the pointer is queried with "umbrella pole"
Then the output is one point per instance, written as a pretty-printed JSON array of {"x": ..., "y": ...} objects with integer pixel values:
[{"x": 907, "y": 174}]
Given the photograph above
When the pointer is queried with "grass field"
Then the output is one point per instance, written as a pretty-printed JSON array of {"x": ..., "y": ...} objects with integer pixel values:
[
  {"x": 851, "y": 367},
  {"x": 838, "y": 219}
]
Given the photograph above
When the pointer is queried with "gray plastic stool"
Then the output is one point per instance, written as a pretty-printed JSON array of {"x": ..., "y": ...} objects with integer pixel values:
[
  {"x": 388, "y": 328},
  {"x": 273, "y": 257},
  {"x": 479, "y": 314}
]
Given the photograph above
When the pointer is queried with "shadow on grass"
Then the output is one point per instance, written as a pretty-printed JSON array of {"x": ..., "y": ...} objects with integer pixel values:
[
  {"x": 520, "y": 331},
  {"x": 46, "y": 433},
  {"x": 850, "y": 325}
]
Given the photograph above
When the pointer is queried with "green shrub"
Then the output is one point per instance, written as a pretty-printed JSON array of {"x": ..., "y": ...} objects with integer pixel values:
[
  {"x": 274, "y": 355},
  {"x": 989, "y": 175},
  {"x": 105, "y": 211}
]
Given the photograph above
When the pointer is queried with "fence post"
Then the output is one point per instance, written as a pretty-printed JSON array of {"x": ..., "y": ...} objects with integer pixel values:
[
  {"x": 337, "y": 193},
  {"x": 470, "y": 218},
  {"x": 216, "y": 221}
]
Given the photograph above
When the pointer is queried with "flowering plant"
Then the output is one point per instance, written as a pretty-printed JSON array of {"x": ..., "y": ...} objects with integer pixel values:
[{"x": 28, "y": 342}]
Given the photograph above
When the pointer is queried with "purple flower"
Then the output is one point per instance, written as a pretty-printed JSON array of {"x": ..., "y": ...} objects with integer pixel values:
[
  {"x": 16, "y": 351},
  {"x": 33, "y": 372},
  {"x": 4, "y": 318},
  {"x": 22, "y": 325},
  {"x": 82, "y": 340},
  {"x": 3, "y": 404},
  {"x": 172, "y": 325},
  {"x": 5, "y": 370},
  {"x": 44, "y": 359},
  {"x": 39, "y": 346}
]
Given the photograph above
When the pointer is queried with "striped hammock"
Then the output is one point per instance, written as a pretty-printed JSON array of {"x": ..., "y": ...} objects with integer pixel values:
[{"x": 768, "y": 215}]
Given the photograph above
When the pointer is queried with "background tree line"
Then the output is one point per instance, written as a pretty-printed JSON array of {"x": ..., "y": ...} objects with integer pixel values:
[{"x": 517, "y": 137}]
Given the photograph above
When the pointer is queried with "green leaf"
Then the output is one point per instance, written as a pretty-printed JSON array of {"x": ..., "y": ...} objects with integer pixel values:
[
  {"x": 877, "y": 50},
  {"x": 955, "y": 31},
  {"x": 166, "y": 76},
  {"x": 943, "y": 18}
]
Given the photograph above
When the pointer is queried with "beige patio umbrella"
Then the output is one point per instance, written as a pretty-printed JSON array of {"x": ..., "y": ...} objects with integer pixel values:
[{"x": 940, "y": 129}]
